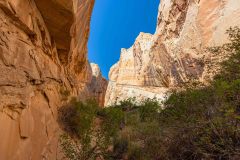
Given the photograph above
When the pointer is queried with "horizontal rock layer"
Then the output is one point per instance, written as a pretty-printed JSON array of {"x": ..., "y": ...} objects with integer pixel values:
[{"x": 177, "y": 52}]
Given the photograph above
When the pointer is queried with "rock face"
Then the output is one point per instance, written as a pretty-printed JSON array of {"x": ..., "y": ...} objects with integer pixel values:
[
  {"x": 98, "y": 85},
  {"x": 95, "y": 87},
  {"x": 43, "y": 49},
  {"x": 176, "y": 53}
]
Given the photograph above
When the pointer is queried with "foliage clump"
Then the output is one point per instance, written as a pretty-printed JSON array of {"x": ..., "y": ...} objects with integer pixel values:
[{"x": 88, "y": 129}]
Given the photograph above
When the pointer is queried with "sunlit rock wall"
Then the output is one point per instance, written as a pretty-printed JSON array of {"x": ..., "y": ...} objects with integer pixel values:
[
  {"x": 43, "y": 49},
  {"x": 177, "y": 52}
]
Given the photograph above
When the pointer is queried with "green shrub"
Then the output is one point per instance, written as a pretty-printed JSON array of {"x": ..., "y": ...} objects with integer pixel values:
[
  {"x": 113, "y": 118},
  {"x": 77, "y": 117},
  {"x": 89, "y": 130},
  {"x": 149, "y": 109},
  {"x": 127, "y": 104},
  {"x": 77, "y": 120}
]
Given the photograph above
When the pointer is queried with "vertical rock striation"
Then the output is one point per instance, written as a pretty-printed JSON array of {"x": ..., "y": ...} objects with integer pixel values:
[
  {"x": 43, "y": 49},
  {"x": 98, "y": 85},
  {"x": 176, "y": 53},
  {"x": 95, "y": 87}
]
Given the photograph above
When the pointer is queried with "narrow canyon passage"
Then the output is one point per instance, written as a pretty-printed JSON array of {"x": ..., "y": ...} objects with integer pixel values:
[
  {"x": 115, "y": 25},
  {"x": 129, "y": 56}
]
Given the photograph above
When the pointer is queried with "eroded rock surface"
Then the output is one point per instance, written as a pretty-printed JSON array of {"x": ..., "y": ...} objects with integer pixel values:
[
  {"x": 177, "y": 52},
  {"x": 98, "y": 85},
  {"x": 43, "y": 49}
]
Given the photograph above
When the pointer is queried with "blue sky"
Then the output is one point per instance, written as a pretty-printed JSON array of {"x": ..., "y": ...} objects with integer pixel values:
[{"x": 115, "y": 24}]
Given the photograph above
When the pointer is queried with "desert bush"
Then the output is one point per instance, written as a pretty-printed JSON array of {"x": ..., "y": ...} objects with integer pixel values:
[
  {"x": 77, "y": 117},
  {"x": 127, "y": 104},
  {"x": 89, "y": 130},
  {"x": 113, "y": 119},
  {"x": 149, "y": 109}
]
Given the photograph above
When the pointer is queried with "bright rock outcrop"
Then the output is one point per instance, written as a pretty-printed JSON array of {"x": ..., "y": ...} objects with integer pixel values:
[
  {"x": 177, "y": 52},
  {"x": 43, "y": 49}
]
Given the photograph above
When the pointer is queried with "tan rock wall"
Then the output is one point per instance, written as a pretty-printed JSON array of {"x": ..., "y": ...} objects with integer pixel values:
[
  {"x": 176, "y": 53},
  {"x": 42, "y": 47},
  {"x": 98, "y": 85}
]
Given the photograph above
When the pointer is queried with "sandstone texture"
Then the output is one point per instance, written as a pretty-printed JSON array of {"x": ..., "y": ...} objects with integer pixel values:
[
  {"x": 43, "y": 49},
  {"x": 177, "y": 52},
  {"x": 98, "y": 85}
]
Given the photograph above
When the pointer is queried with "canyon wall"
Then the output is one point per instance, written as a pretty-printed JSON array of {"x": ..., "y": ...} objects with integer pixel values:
[
  {"x": 177, "y": 52},
  {"x": 43, "y": 54},
  {"x": 95, "y": 88},
  {"x": 98, "y": 85}
]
